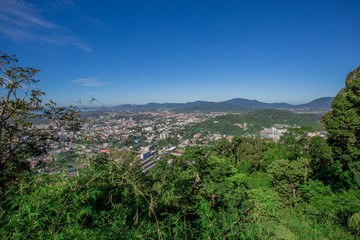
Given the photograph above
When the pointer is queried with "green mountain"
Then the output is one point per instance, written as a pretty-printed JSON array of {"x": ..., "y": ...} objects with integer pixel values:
[
  {"x": 318, "y": 104},
  {"x": 255, "y": 121},
  {"x": 232, "y": 105},
  {"x": 215, "y": 107},
  {"x": 152, "y": 106},
  {"x": 255, "y": 104}
]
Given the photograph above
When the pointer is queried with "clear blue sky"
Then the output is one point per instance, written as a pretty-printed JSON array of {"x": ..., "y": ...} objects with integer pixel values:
[{"x": 178, "y": 51}]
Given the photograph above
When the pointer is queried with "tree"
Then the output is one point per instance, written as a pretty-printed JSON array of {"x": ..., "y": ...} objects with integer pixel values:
[
  {"x": 321, "y": 160},
  {"x": 343, "y": 125},
  {"x": 288, "y": 177},
  {"x": 223, "y": 147},
  {"x": 296, "y": 141},
  {"x": 250, "y": 151},
  {"x": 20, "y": 106}
]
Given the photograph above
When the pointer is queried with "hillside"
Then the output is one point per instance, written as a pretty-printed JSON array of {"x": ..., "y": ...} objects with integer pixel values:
[
  {"x": 214, "y": 107},
  {"x": 318, "y": 104},
  {"x": 154, "y": 106},
  {"x": 256, "y": 121},
  {"x": 254, "y": 104},
  {"x": 232, "y": 105}
]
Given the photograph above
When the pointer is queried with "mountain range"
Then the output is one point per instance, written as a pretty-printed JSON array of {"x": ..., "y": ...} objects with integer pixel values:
[{"x": 233, "y": 105}]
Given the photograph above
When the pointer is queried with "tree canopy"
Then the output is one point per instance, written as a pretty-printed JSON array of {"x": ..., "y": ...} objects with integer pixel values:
[
  {"x": 343, "y": 125},
  {"x": 20, "y": 104}
]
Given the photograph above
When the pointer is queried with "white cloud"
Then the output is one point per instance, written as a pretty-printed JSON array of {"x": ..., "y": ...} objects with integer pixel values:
[
  {"x": 142, "y": 78},
  {"x": 21, "y": 21},
  {"x": 89, "y": 82}
]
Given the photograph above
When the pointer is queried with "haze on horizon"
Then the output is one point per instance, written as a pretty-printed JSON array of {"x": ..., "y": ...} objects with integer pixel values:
[{"x": 181, "y": 51}]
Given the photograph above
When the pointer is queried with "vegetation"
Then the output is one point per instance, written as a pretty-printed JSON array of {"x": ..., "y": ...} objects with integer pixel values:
[
  {"x": 256, "y": 121},
  {"x": 214, "y": 107},
  {"x": 167, "y": 141},
  {"x": 343, "y": 125},
  {"x": 300, "y": 188},
  {"x": 232, "y": 105},
  {"x": 20, "y": 105}
]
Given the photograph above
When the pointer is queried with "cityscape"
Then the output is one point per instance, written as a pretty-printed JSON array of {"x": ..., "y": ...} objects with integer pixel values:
[
  {"x": 151, "y": 135},
  {"x": 181, "y": 120}
]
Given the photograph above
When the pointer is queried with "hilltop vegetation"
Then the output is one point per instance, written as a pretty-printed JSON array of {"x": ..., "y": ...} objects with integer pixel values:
[
  {"x": 255, "y": 121},
  {"x": 233, "y": 105},
  {"x": 214, "y": 107},
  {"x": 299, "y": 188}
]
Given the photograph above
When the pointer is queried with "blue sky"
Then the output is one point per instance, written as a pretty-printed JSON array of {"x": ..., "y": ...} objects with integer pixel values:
[{"x": 178, "y": 51}]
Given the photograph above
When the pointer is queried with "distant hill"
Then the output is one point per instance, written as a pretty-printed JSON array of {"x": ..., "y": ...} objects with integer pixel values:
[
  {"x": 150, "y": 106},
  {"x": 255, "y": 121},
  {"x": 318, "y": 104},
  {"x": 233, "y": 105},
  {"x": 215, "y": 107},
  {"x": 255, "y": 104}
]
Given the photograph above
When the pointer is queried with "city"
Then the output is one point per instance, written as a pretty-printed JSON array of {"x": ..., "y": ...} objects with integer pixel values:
[{"x": 151, "y": 135}]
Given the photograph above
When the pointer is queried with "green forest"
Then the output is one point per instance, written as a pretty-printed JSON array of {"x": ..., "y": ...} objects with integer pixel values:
[
  {"x": 255, "y": 120},
  {"x": 299, "y": 188}
]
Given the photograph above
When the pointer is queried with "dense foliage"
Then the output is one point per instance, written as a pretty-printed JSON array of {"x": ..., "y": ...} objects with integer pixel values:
[
  {"x": 244, "y": 189},
  {"x": 300, "y": 188},
  {"x": 343, "y": 125},
  {"x": 20, "y": 106}
]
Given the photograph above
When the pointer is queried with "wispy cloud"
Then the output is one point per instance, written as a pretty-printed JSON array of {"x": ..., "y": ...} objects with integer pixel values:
[
  {"x": 65, "y": 3},
  {"x": 89, "y": 82},
  {"x": 95, "y": 23},
  {"x": 21, "y": 21},
  {"x": 97, "y": 94},
  {"x": 142, "y": 78}
]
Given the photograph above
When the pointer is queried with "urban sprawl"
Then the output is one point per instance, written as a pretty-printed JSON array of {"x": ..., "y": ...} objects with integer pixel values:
[{"x": 151, "y": 135}]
